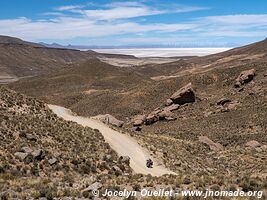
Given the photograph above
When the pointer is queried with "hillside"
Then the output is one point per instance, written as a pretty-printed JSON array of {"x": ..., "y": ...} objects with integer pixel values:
[
  {"x": 16, "y": 41},
  {"x": 40, "y": 152},
  {"x": 217, "y": 140},
  {"x": 21, "y": 59},
  {"x": 73, "y": 87},
  {"x": 43, "y": 156}
]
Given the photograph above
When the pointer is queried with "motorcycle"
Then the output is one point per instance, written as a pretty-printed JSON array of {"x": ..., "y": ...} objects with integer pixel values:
[{"x": 149, "y": 163}]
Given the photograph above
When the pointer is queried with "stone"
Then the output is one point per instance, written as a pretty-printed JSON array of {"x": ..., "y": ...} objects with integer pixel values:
[
  {"x": 136, "y": 128},
  {"x": 184, "y": 95},
  {"x": 253, "y": 144},
  {"x": 172, "y": 107},
  {"x": 94, "y": 186},
  {"x": 26, "y": 150},
  {"x": 166, "y": 114},
  {"x": 117, "y": 169},
  {"x": 245, "y": 77},
  {"x": 109, "y": 119},
  {"x": 168, "y": 102},
  {"x": 212, "y": 145},
  {"x": 38, "y": 154},
  {"x": 152, "y": 118},
  {"x": 223, "y": 101},
  {"x": 30, "y": 137},
  {"x": 52, "y": 161},
  {"x": 139, "y": 120},
  {"x": 21, "y": 156},
  {"x": 125, "y": 159}
]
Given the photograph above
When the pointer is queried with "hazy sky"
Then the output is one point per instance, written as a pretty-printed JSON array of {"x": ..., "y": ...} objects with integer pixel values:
[{"x": 204, "y": 22}]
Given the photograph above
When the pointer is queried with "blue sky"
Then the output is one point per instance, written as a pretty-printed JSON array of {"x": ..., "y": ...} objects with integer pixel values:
[{"x": 145, "y": 22}]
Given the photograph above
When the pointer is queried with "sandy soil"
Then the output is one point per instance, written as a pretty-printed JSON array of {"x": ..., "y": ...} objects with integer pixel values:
[{"x": 123, "y": 144}]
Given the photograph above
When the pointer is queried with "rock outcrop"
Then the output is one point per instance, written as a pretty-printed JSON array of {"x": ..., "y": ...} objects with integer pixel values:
[
  {"x": 245, "y": 77},
  {"x": 139, "y": 120}
]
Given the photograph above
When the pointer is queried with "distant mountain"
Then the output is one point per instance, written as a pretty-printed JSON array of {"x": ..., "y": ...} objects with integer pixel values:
[{"x": 189, "y": 45}]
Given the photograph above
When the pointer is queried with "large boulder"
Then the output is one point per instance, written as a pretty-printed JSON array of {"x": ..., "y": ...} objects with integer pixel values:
[
  {"x": 152, "y": 118},
  {"x": 109, "y": 119},
  {"x": 184, "y": 95},
  {"x": 245, "y": 77},
  {"x": 166, "y": 115},
  {"x": 212, "y": 145},
  {"x": 139, "y": 120}
]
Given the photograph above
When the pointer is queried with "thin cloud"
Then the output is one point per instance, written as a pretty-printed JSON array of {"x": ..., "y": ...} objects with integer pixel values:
[
  {"x": 127, "y": 10},
  {"x": 69, "y": 8}
]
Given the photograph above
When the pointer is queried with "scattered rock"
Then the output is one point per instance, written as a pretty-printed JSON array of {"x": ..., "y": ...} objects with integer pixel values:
[
  {"x": 20, "y": 155},
  {"x": 152, "y": 118},
  {"x": 26, "y": 150},
  {"x": 212, "y": 145},
  {"x": 139, "y": 120},
  {"x": 253, "y": 144},
  {"x": 31, "y": 137},
  {"x": 166, "y": 114},
  {"x": 38, "y": 154},
  {"x": 94, "y": 186},
  {"x": 223, "y": 101},
  {"x": 136, "y": 128},
  {"x": 109, "y": 119},
  {"x": 117, "y": 170},
  {"x": 264, "y": 147},
  {"x": 184, "y": 95},
  {"x": 245, "y": 77},
  {"x": 52, "y": 161},
  {"x": 229, "y": 106},
  {"x": 125, "y": 159},
  {"x": 168, "y": 102}
]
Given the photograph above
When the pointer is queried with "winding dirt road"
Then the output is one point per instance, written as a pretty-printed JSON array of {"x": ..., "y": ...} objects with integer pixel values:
[{"x": 123, "y": 144}]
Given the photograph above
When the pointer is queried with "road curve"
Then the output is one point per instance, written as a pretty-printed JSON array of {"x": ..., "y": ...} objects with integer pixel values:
[{"x": 123, "y": 144}]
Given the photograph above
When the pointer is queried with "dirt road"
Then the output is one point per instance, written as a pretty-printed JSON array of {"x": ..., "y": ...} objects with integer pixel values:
[{"x": 123, "y": 144}]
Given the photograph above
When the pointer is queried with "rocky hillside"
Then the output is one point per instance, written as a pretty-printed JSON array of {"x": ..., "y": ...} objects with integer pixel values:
[
  {"x": 204, "y": 117},
  {"x": 42, "y": 155}
]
